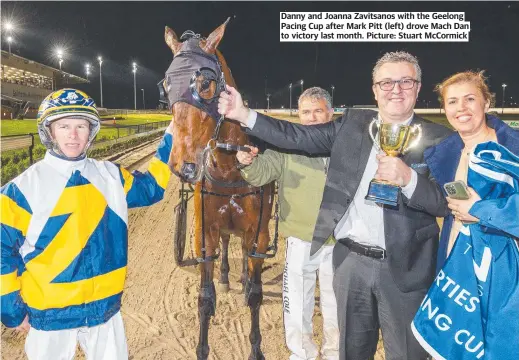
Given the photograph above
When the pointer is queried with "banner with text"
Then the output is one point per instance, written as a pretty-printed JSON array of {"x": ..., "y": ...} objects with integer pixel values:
[
  {"x": 471, "y": 311},
  {"x": 374, "y": 26}
]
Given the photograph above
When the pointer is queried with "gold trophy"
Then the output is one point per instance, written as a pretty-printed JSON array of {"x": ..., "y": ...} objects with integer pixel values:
[{"x": 394, "y": 140}]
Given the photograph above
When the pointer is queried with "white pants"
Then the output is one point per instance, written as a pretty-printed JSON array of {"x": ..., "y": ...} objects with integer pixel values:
[
  {"x": 299, "y": 278},
  {"x": 102, "y": 342}
]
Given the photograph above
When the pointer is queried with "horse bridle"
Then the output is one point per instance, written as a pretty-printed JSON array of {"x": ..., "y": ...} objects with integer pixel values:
[{"x": 210, "y": 107}]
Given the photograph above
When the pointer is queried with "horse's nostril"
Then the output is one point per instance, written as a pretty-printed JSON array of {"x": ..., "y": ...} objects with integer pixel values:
[{"x": 188, "y": 170}]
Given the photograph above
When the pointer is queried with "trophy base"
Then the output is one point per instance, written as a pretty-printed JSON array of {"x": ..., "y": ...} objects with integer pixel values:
[{"x": 383, "y": 193}]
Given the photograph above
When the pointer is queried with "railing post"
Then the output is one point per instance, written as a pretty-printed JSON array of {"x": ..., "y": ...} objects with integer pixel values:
[{"x": 30, "y": 149}]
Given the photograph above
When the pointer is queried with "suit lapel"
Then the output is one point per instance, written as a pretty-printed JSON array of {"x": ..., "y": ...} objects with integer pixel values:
[{"x": 365, "y": 149}]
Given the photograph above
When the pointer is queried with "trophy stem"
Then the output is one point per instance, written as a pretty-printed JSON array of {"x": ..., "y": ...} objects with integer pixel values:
[{"x": 384, "y": 182}]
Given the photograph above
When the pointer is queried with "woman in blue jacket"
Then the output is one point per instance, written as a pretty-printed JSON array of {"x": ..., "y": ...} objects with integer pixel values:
[{"x": 466, "y": 99}]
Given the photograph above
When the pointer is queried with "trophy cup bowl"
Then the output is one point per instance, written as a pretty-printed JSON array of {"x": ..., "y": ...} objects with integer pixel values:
[{"x": 394, "y": 140}]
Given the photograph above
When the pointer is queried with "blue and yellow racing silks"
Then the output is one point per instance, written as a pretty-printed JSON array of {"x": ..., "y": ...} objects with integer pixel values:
[{"x": 64, "y": 238}]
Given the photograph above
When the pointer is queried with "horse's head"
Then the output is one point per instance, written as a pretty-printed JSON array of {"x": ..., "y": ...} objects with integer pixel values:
[{"x": 194, "y": 80}]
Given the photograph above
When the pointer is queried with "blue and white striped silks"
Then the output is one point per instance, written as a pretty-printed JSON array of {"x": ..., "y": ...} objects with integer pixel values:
[{"x": 472, "y": 308}]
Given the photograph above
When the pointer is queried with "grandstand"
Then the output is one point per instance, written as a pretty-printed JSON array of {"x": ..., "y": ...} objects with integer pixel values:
[{"x": 25, "y": 83}]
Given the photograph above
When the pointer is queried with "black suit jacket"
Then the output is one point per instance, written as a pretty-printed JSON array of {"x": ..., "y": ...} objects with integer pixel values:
[{"x": 411, "y": 230}]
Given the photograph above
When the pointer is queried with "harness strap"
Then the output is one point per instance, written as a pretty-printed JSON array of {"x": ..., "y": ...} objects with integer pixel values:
[
  {"x": 235, "y": 196},
  {"x": 271, "y": 250},
  {"x": 217, "y": 253},
  {"x": 227, "y": 185},
  {"x": 217, "y": 128}
]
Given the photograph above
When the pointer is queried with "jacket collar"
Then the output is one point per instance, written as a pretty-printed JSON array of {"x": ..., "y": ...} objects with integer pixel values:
[
  {"x": 407, "y": 122},
  {"x": 63, "y": 166},
  {"x": 506, "y": 136},
  {"x": 443, "y": 159}
]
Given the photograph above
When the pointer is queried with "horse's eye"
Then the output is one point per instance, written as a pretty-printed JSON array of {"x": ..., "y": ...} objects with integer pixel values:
[{"x": 205, "y": 85}]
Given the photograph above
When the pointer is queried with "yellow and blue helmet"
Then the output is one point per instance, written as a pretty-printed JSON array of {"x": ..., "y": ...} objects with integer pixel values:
[{"x": 66, "y": 103}]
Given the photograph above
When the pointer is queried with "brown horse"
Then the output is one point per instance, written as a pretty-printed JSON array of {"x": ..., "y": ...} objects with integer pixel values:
[{"x": 224, "y": 203}]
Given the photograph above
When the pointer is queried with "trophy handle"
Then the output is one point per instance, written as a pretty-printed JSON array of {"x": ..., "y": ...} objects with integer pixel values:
[
  {"x": 416, "y": 129},
  {"x": 375, "y": 141}
]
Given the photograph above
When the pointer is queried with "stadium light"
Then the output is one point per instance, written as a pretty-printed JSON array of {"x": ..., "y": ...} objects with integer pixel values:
[
  {"x": 333, "y": 88},
  {"x": 9, "y": 28},
  {"x": 143, "y": 101},
  {"x": 290, "y": 87},
  {"x": 100, "y": 59},
  {"x": 503, "y": 104},
  {"x": 302, "y": 85},
  {"x": 87, "y": 69},
  {"x": 59, "y": 54},
  {"x": 9, "y": 41},
  {"x": 134, "y": 85}
]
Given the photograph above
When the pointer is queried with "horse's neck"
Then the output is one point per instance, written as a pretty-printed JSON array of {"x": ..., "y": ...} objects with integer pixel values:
[{"x": 232, "y": 133}]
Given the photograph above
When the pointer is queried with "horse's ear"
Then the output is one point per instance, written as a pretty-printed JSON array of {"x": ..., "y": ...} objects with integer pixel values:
[
  {"x": 172, "y": 40},
  {"x": 214, "y": 39}
]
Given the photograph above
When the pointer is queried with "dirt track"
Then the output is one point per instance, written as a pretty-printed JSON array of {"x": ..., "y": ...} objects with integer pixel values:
[{"x": 160, "y": 299}]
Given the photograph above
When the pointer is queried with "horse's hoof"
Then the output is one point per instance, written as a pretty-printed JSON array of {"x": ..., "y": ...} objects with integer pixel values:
[
  {"x": 223, "y": 287},
  {"x": 256, "y": 355}
]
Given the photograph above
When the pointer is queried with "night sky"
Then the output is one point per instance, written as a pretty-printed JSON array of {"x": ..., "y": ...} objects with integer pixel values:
[{"x": 123, "y": 32}]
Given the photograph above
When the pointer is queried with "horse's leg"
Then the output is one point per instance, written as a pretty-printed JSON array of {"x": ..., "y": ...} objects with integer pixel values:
[
  {"x": 224, "y": 268},
  {"x": 206, "y": 308},
  {"x": 254, "y": 287},
  {"x": 254, "y": 291},
  {"x": 207, "y": 295},
  {"x": 254, "y": 298},
  {"x": 244, "y": 268}
]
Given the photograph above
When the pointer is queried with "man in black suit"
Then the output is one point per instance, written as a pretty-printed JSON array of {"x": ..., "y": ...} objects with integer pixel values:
[{"x": 385, "y": 256}]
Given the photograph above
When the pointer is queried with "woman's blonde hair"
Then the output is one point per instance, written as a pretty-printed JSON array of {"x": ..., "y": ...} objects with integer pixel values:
[{"x": 476, "y": 78}]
